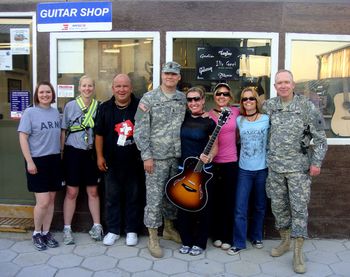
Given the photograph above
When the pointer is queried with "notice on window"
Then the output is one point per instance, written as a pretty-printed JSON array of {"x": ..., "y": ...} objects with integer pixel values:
[
  {"x": 65, "y": 91},
  {"x": 19, "y": 102},
  {"x": 5, "y": 60},
  {"x": 20, "y": 41}
]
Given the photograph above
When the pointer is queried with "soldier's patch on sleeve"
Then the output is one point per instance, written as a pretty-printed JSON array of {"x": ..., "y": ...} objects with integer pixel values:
[
  {"x": 319, "y": 123},
  {"x": 143, "y": 107}
]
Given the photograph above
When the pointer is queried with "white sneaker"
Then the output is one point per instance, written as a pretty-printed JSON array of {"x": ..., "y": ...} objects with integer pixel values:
[
  {"x": 131, "y": 239},
  {"x": 110, "y": 239},
  {"x": 217, "y": 243}
]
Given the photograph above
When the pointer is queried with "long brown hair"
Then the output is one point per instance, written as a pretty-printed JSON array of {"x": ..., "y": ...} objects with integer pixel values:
[{"x": 255, "y": 95}]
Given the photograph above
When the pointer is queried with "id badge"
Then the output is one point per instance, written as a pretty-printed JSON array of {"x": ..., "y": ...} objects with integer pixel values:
[{"x": 121, "y": 140}]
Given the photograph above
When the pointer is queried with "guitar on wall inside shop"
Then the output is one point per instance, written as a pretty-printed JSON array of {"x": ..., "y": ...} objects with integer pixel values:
[
  {"x": 187, "y": 190},
  {"x": 340, "y": 123}
]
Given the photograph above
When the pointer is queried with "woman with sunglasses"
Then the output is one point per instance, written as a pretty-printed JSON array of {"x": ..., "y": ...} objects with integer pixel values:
[
  {"x": 195, "y": 134},
  {"x": 224, "y": 169},
  {"x": 252, "y": 172}
]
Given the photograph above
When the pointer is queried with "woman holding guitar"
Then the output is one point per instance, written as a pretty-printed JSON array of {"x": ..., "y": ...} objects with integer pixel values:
[
  {"x": 224, "y": 169},
  {"x": 252, "y": 172},
  {"x": 195, "y": 134}
]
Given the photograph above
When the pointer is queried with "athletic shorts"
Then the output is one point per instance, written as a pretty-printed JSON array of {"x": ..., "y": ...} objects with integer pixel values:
[
  {"x": 80, "y": 167},
  {"x": 49, "y": 176}
]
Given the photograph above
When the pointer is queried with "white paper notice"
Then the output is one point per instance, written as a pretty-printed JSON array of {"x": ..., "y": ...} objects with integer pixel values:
[
  {"x": 5, "y": 60},
  {"x": 20, "y": 41},
  {"x": 65, "y": 90}
]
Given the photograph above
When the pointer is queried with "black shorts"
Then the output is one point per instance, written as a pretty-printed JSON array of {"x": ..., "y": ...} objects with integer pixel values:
[
  {"x": 80, "y": 167},
  {"x": 49, "y": 176}
]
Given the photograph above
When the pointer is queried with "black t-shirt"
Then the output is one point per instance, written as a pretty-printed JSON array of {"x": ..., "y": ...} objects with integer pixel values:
[
  {"x": 195, "y": 134},
  {"x": 111, "y": 123}
]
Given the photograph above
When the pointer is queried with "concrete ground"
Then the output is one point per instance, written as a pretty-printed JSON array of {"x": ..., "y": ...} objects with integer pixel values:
[{"x": 89, "y": 258}]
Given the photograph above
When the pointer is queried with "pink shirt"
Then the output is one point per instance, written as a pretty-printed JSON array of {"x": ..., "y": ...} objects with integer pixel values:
[{"x": 227, "y": 151}]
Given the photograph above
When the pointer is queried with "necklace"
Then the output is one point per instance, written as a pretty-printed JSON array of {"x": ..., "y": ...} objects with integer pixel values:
[
  {"x": 197, "y": 114},
  {"x": 122, "y": 107},
  {"x": 250, "y": 115},
  {"x": 251, "y": 118}
]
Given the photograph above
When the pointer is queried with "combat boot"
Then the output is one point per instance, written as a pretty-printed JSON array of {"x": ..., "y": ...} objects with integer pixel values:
[
  {"x": 169, "y": 232},
  {"x": 153, "y": 243},
  {"x": 284, "y": 246},
  {"x": 298, "y": 259}
]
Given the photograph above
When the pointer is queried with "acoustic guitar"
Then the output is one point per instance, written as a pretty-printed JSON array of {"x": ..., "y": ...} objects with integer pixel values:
[
  {"x": 187, "y": 190},
  {"x": 340, "y": 123}
]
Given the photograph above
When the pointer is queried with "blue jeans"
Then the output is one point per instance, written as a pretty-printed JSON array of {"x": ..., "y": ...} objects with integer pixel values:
[{"x": 249, "y": 182}]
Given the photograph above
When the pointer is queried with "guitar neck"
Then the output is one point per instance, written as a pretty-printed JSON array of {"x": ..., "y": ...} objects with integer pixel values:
[{"x": 208, "y": 147}]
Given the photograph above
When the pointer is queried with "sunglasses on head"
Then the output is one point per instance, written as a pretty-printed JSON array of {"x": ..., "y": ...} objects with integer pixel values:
[
  {"x": 219, "y": 93},
  {"x": 244, "y": 99},
  {"x": 195, "y": 99}
]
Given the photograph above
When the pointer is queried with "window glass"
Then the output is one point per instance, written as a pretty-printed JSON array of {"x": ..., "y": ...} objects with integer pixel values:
[
  {"x": 102, "y": 59},
  {"x": 15, "y": 61},
  {"x": 321, "y": 70},
  {"x": 239, "y": 62}
]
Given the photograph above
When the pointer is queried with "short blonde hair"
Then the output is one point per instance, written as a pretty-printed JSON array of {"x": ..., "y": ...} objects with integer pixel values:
[{"x": 196, "y": 89}]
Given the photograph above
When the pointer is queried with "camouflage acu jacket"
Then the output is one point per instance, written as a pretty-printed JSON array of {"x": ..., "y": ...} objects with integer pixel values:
[
  {"x": 157, "y": 124},
  {"x": 292, "y": 128}
]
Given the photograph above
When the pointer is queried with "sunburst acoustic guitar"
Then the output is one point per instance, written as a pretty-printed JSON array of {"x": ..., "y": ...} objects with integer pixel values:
[
  {"x": 187, "y": 190},
  {"x": 340, "y": 123}
]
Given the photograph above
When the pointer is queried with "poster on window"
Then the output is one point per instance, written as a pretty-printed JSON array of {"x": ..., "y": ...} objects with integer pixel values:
[
  {"x": 20, "y": 41},
  {"x": 5, "y": 60},
  {"x": 217, "y": 63},
  {"x": 19, "y": 102}
]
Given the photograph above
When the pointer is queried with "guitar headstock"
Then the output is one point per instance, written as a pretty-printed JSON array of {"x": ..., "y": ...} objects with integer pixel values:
[{"x": 225, "y": 113}]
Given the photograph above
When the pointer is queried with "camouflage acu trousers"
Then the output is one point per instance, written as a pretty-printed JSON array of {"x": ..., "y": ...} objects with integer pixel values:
[
  {"x": 290, "y": 195},
  {"x": 157, "y": 205}
]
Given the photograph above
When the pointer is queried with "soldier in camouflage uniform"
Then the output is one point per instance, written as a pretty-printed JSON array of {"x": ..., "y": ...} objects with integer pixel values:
[
  {"x": 294, "y": 121},
  {"x": 157, "y": 135}
]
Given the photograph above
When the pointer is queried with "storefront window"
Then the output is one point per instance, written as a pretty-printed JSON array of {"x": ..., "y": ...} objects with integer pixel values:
[
  {"x": 240, "y": 59},
  {"x": 321, "y": 69},
  {"x": 17, "y": 72},
  {"x": 101, "y": 56}
]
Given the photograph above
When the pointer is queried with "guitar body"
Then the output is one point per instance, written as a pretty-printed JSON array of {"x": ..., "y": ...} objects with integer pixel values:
[
  {"x": 187, "y": 190},
  {"x": 340, "y": 123}
]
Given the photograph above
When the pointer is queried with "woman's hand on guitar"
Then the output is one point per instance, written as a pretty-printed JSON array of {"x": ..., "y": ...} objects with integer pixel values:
[
  {"x": 205, "y": 158},
  {"x": 148, "y": 165}
]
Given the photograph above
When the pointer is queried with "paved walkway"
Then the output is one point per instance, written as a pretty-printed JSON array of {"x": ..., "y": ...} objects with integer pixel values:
[{"x": 88, "y": 258}]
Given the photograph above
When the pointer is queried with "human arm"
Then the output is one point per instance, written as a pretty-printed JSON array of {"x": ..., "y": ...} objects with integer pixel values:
[
  {"x": 142, "y": 131},
  {"x": 319, "y": 137},
  {"x": 23, "y": 141},
  {"x": 101, "y": 161}
]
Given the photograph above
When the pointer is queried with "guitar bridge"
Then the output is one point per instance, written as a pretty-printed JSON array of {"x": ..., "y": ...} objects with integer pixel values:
[{"x": 188, "y": 188}]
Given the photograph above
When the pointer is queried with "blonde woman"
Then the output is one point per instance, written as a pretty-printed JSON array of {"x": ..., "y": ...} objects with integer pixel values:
[{"x": 252, "y": 172}]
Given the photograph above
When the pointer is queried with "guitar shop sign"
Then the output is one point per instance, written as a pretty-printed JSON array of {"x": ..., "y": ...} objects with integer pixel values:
[
  {"x": 217, "y": 63},
  {"x": 74, "y": 16}
]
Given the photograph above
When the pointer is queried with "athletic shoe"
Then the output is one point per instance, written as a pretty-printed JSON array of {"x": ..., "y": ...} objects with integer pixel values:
[
  {"x": 110, "y": 239},
  {"x": 196, "y": 250},
  {"x": 131, "y": 239},
  {"x": 225, "y": 246},
  {"x": 234, "y": 250},
  {"x": 96, "y": 232},
  {"x": 257, "y": 244},
  {"x": 217, "y": 243},
  {"x": 68, "y": 236},
  {"x": 49, "y": 240},
  {"x": 184, "y": 249},
  {"x": 38, "y": 242}
]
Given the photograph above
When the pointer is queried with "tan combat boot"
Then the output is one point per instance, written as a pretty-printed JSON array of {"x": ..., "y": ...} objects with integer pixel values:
[
  {"x": 153, "y": 243},
  {"x": 169, "y": 231},
  {"x": 298, "y": 260},
  {"x": 284, "y": 246}
]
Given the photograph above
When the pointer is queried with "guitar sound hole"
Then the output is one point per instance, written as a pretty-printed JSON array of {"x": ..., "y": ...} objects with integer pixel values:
[
  {"x": 188, "y": 188},
  {"x": 346, "y": 105}
]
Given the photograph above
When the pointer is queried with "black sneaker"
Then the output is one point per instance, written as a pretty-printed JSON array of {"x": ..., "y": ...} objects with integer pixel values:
[
  {"x": 38, "y": 242},
  {"x": 257, "y": 244},
  {"x": 234, "y": 250},
  {"x": 49, "y": 240}
]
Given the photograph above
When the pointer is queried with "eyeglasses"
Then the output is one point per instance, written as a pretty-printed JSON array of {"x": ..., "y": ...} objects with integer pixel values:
[
  {"x": 196, "y": 99},
  {"x": 220, "y": 93},
  {"x": 244, "y": 99}
]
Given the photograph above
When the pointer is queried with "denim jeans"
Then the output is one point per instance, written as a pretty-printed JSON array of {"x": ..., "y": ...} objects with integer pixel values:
[{"x": 249, "y": 182}]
